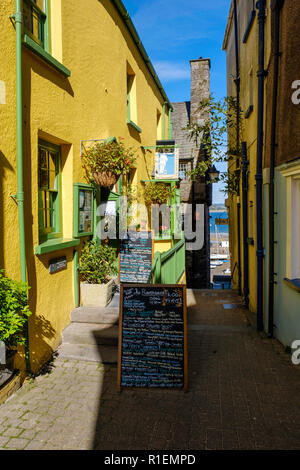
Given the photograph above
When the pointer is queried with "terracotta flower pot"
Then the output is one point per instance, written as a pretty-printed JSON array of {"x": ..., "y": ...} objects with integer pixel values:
[{"x": 105, "y": 178}]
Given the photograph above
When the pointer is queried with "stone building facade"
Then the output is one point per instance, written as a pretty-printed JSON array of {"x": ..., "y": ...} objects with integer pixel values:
[{"x": 198, "y": 192}]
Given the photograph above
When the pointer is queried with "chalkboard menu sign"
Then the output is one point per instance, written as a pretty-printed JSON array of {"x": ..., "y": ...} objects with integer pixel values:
[
  {"x": 135, "y": 257},
  {"x": 152, "y": 336}
]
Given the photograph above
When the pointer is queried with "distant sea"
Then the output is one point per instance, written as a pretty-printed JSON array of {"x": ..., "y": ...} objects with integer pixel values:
[{"x": 220, "y": 228}]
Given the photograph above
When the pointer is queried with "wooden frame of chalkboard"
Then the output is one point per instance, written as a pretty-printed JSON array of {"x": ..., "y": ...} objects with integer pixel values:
[
  {"x": 185, "y": 337},
  {"x": 119, "y": 251}
]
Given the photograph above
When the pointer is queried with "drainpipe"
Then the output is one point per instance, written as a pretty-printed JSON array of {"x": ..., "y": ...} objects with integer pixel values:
[
  {"x": 20, "y": 191},
  {"x": 276, "y": 7},
  {"x": 164, "y": 121},
  {"x": 245, "y": 222},
  {"x": 170, "y": 126},
  {"x": 259, "y": 160},
  {"x": 237, "y": 83}
]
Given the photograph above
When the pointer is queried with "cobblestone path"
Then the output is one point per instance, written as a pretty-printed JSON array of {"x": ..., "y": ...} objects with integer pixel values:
[{"x": 243, "y": 394}]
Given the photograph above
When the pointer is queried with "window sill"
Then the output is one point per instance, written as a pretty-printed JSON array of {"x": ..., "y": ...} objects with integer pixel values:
[
  {"x": 293, "y": 284},
  {"x": 33, "y": 46},
  {"x": 132, "y": 124},
  {"x": 55, "y": 244}
]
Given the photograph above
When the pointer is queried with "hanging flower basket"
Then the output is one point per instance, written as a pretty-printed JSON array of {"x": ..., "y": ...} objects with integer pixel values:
[
  {"x": 105, "y": 179},
  {"x": 105, "y": 162},
  {"x": 157, "y": 193}
]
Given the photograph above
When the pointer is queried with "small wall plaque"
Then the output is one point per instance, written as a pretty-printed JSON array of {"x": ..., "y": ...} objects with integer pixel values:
[{"x": 58, "y": 264}]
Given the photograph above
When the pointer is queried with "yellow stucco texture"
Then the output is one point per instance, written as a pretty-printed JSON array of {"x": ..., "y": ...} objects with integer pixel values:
[{"x": 91, "y": 40}]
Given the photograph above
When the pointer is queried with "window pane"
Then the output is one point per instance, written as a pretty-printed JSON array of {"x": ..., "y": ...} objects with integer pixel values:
[
  {"x": 27, "y": 17},
  {"x": 52, "y": 171},
  {"x": 43, "y": 168}
]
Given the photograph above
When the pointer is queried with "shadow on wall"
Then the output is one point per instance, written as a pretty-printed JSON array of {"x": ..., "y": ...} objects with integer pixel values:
[{"x": 4, "y": 166}]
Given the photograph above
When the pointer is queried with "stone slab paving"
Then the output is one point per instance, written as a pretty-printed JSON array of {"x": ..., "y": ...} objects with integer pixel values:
[{"x": 244, "y": 394}]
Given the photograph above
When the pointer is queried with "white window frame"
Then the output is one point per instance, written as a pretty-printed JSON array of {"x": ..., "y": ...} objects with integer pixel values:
[{"x": 292, "y": 174}]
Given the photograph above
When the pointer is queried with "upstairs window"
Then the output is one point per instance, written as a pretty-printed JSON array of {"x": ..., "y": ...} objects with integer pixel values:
[
  {"x": 49, "y": 185},
  {"x": 183, "y": 168},
  {"x": 131, "y": 99},
  {"x": 35, "y": 21}
]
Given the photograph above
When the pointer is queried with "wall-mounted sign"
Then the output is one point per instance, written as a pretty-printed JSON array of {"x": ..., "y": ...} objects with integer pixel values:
[
  {"x": 57, "y": 264},
  {"x": 83, "y": 210},
  {"x": 166, "y": 165}
]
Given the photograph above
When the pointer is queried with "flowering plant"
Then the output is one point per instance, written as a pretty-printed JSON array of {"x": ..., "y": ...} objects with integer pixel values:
[
  {"x": 107, "y": 159},
  {"x": 157, "y": 193}
]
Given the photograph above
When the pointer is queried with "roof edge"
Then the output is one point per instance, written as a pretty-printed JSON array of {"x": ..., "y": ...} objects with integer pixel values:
[
  {"x": 228, "y": 27},
  {"x": 136, "y": 39}
]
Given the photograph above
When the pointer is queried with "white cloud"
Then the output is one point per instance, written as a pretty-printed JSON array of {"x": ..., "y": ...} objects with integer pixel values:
[{"x": 170, "y": 71}]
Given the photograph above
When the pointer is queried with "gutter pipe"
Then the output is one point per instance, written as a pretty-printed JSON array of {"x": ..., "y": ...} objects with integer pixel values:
[
  {"x": 237, "y": 83},
  {"x": 20, "y": 190},
  {"x": 259, "y": 161},
  {"x": 276, "y": 6},
  {"x": 245, "y": 222}
]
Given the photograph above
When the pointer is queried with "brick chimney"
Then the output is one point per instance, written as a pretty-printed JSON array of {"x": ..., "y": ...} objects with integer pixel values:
[{"x": 200, "y": 85}]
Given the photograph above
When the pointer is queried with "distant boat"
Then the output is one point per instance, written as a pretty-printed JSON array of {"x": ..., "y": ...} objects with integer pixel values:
[
  {"x": 216, "y": 263},
  {"x": 219, "y": 256},
  {"x": 228, "y": 271},
  {"x": 213, "y": 266}
]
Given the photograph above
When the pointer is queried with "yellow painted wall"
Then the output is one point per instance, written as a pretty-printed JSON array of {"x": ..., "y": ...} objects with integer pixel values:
[
  {"x": 91, "y": 40},
  {"x": 248, "y": 63}
]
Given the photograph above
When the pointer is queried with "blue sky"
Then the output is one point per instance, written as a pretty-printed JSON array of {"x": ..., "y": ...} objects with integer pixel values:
[{"x": 174, "y": 32}]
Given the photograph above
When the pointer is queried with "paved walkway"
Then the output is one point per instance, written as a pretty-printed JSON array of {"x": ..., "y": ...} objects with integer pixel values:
[{"x": 244, "y": 394}]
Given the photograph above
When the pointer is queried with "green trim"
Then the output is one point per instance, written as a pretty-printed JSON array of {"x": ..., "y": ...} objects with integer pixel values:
[
  {"x": 135, "y": 126},
  {"x": 136, "y": 39},
  {"x": 47, "y": 41},
  {"x": 76, "y": 189},
  {"x": 33, "y": 46},
  {"x": 150, "y": 147},
  {"x": 55, "y": 245},
  {"x": 160, "y": 181}
]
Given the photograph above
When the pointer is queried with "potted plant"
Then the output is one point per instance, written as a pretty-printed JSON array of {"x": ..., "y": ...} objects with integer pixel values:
[
  {"x": 157, "y": 193},
  {"x": 105, "y": 162},
  {"x": 97, "y": 264},
  {"x": 14, "y": 313}
]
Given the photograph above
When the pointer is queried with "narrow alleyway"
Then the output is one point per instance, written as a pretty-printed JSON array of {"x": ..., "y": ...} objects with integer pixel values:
[{"x": 244, "y": 394}]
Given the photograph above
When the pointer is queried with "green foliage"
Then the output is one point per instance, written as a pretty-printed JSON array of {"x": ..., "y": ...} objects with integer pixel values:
[
  {"x": 219, "y": 137},
  {"x": 97, "y": 263},
  {"x": 14, "y": 311},
  {"x": 111, "y": 157},
  {"x": 157, "y": 193}
]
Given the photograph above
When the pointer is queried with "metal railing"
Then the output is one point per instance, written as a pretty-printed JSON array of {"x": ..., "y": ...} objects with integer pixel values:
[{"x": 169, "y": 267}]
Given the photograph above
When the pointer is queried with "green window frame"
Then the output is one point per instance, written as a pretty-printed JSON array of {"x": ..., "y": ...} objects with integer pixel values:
[
  {"x": 36, "y": 22},
  {"x": 49, "y": 191}
]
